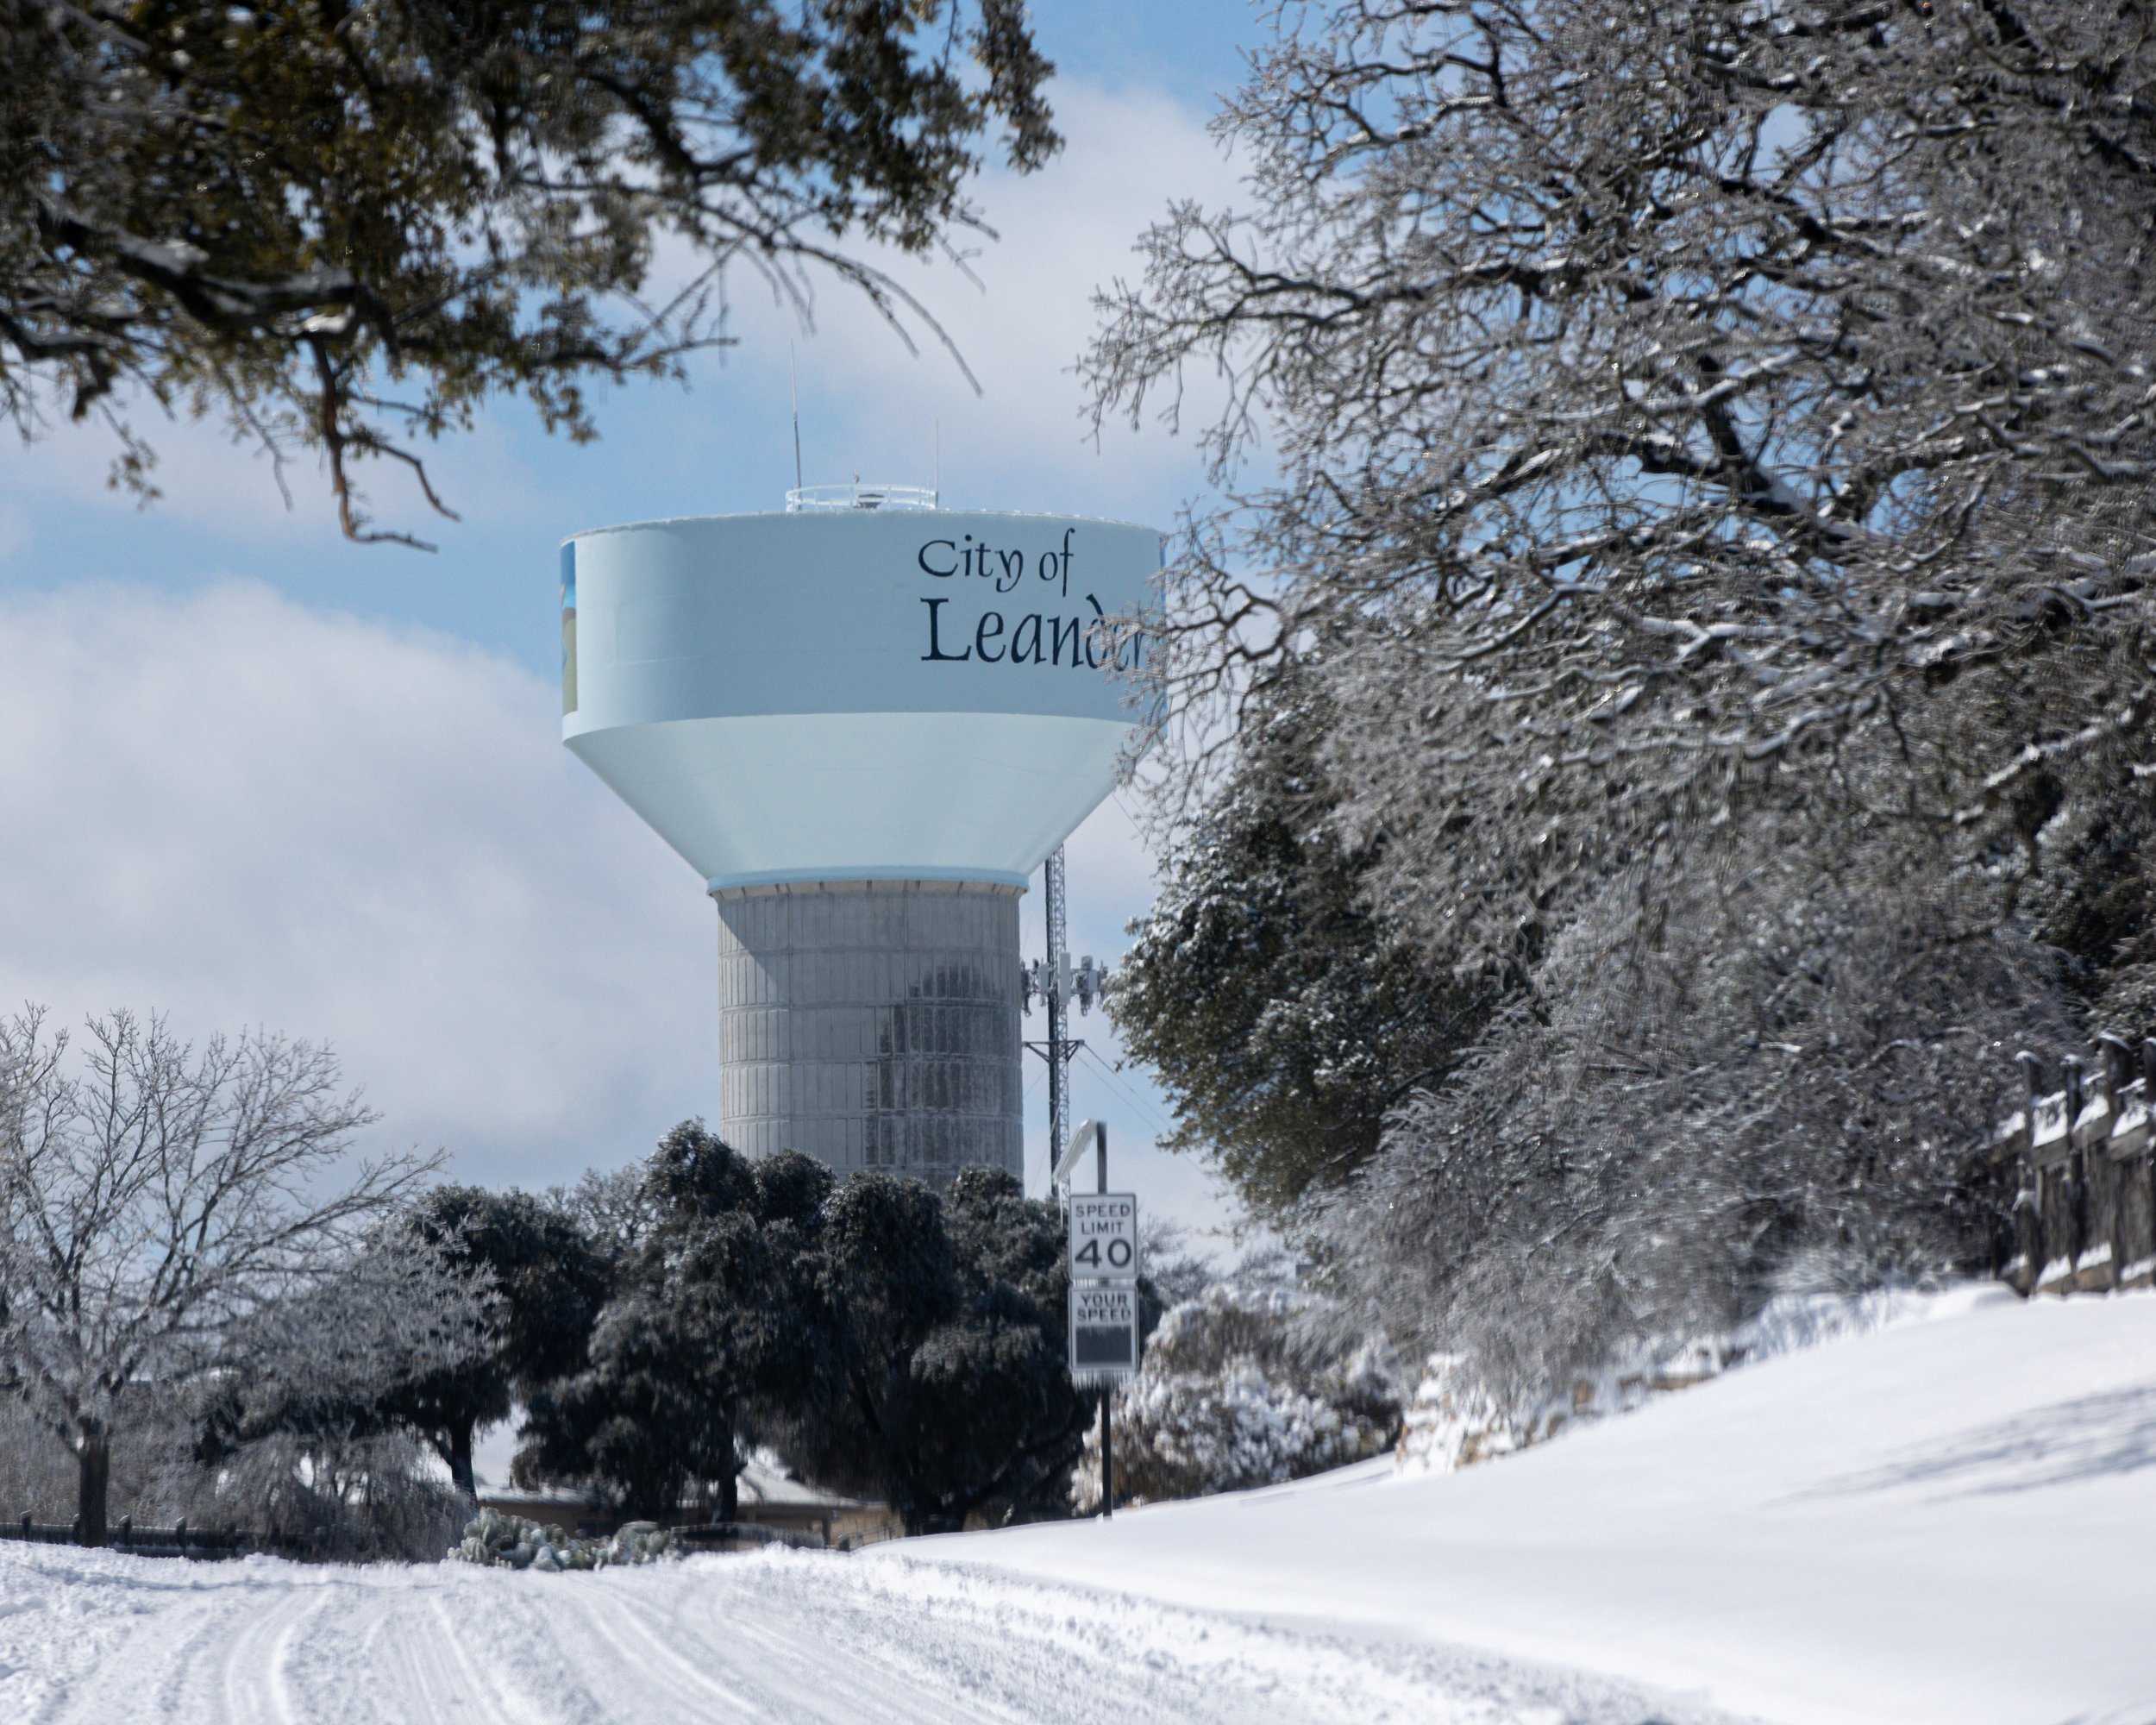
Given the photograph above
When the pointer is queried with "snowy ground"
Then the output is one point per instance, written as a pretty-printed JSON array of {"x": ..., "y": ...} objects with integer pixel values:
[
  {"x": 1950, "y": 1520},
  {"x": 1953, "y": 1520}
]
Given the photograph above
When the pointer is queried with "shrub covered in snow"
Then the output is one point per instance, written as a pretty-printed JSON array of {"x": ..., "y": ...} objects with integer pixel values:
[
  {"x": 341, "y": 1497},
  {"x": 497, "y": 1540},
  {"x": 1249, "y": 1384}
]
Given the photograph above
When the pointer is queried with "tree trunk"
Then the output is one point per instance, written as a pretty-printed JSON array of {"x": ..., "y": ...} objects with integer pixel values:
[
  {"x": 729, "y": 1472},
  {"x": 461, "y": 1458},
  {"x": 94, "y": 1461}
]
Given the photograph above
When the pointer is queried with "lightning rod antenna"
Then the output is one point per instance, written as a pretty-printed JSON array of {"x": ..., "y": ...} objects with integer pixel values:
[
  {"x": 794, "y": 376},
  {"x": 936, "y": 491}
]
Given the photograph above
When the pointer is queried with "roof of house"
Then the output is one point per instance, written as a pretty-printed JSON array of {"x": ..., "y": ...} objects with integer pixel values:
[{"x": 764, "y": 1487}]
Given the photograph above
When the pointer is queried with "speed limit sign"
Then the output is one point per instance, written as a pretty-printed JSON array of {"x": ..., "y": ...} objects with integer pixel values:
[{"x": 1103, "y": 1237}]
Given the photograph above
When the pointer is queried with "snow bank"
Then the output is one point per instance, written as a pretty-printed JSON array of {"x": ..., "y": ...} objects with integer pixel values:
[
  {"x": 1452, "y": 1422},
  {"x": 1950, "y": 1518}
]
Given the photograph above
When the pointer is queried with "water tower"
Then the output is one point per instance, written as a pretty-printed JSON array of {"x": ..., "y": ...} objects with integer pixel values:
[{"x": 864, "y": 723}]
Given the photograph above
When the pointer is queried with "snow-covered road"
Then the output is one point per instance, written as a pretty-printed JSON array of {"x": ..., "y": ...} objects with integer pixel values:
[{"x": 89, "y": 1637}]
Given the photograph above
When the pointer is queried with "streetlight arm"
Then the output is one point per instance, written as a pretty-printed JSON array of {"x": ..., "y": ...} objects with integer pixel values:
[{"x": 1089, "y": 1132}]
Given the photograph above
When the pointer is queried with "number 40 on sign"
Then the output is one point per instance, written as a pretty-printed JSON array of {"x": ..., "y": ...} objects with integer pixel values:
[{"x": 1103, "y": 1237}]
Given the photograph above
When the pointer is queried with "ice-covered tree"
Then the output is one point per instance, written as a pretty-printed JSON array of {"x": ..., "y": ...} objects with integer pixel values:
[
  {"x": 306, "y": 1421},
  {"x": 1712, "y": 445},
  {"x": 336, "y": 1353},
  {"x": 151, "y": 1196},
  {"x": 1801, "y": 1080},
  {"x": 1253, "y": 1382},
  {"x": 1677, "y": 408}
]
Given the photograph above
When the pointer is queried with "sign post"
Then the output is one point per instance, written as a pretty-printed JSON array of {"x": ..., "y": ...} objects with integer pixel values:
[{"x": 1104, "y": 1315}]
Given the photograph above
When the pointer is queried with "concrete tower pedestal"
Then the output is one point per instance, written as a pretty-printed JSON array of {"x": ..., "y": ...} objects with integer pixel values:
[{"x": 872, "y": 1023}]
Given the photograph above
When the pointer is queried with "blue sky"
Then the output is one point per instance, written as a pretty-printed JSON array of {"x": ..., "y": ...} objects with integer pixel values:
[{"x": 261, "y": 776}]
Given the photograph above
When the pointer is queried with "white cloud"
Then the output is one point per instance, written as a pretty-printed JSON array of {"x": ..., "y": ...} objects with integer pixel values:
[{"x": 245, "y": 812}]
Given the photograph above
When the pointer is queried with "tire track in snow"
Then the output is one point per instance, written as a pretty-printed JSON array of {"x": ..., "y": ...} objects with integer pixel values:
[
  {"x": 850, "y": 1687},
  {"x": 616, "y": 1629},
  {"x": 777, "y": 1639},
  {"x": 448, "y": 1681},
  {"x": 956, "y": 1665},
  {"x": 250, "y": 1674},
  {"x": 179, "y": 1649}
]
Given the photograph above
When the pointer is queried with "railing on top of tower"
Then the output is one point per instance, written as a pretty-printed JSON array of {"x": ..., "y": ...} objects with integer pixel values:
[{"x": 805, "y": 499}]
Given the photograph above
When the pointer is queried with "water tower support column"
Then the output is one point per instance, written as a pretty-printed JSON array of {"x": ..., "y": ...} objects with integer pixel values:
[{"x": 873, "y": 1024}]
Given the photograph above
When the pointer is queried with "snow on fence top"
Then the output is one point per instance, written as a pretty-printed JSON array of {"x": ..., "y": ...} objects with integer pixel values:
[{"x": 2085, "y": 1216}]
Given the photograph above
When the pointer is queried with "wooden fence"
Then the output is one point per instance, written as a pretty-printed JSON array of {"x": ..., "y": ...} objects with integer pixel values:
[
  {"x": 2084, "y": 1218},
  {"x": 179, "y": 1540}
]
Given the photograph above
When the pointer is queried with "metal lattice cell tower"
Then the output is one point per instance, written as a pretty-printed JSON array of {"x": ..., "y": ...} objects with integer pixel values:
[{"x": 1052, "y": 973}]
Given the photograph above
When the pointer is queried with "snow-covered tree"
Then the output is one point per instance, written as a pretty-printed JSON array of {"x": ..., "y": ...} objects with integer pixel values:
[
  {"x": 1713, "y": 444},
  {"x": 338, "y": 1352},
  {"x": 1676, "y": 407},
  {"x": 1803, "y": 1072},
  {"x": 154, "y": 1198},
  {"x": 1254, "y": 1382},
  {"x": 307, "y": 1418},
  {"x": 548, "y": 1280}
]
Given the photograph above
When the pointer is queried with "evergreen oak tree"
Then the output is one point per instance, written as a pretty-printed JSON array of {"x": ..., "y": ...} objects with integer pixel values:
[
  {"x": 339, "y": 228},
  {"x": 708, "y": 1324},
  {"x": 549, "y": 1282}
]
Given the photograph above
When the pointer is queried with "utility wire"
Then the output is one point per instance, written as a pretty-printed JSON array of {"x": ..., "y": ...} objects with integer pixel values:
[{"x": 1116, "y": 1083}]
